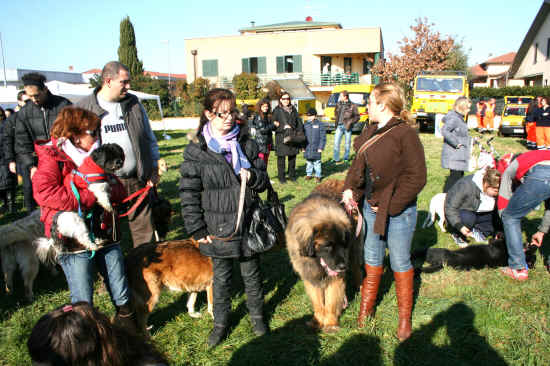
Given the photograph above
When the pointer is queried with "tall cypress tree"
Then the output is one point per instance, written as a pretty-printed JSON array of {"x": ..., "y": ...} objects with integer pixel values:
[{"x": 127, "y": 50}]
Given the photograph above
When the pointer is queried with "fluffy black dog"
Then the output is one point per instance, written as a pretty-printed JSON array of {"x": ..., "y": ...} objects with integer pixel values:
[
  {"x": 162, "y": 213},
  {"x": 491, "y": 255},
  {"x": 110, "y": 157}
]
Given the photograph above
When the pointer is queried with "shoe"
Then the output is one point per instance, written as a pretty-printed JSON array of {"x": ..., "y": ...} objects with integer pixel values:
[
  {"x": 318, "y": 179},
  {"x": 308, "y": 177},
  {"x": 479, "y": 237},
  {"x": 282, "y": 181},
  {"x": 259, "y": 327},
  {"x": 369, "y": 291},
  {"x": 292, "y": 179},
  {"x": 516, "y": 274},
  {"x": 459, "y": 241},
  {"x": 216, "y": 336}
]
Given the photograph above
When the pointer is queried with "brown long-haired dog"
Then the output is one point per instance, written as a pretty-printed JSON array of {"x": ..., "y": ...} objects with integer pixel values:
[
  {"x": 177, "y": 265},
  {"x": 319, "y": 236}
]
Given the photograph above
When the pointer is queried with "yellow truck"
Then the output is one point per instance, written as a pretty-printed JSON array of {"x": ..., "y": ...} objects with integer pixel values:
[
  {"x": 513, "y": 115},
  {"x": 358, "y": 94},
  {"x": 435, "y": 93}
]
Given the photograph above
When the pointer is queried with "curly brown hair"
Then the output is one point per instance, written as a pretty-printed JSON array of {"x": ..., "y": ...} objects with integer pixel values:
[{"x": 74, "y": 121}]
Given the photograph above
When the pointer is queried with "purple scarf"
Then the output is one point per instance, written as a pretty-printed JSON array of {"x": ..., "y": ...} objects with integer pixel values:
[{"x": 227, "y": 145}]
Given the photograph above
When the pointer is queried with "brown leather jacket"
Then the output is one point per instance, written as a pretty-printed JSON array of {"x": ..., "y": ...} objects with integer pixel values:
[
  {"x": 350, "y": 115},
  {"x": 398, "y": 169}
]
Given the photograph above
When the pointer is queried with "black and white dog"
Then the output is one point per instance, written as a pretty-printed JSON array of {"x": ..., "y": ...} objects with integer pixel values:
[
  {"x": 94, "y": 174},
  {"x": 491, "y": 255}
]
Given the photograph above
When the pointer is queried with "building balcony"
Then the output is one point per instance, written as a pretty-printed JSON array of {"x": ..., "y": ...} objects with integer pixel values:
[{"x": 310, "y": 79}]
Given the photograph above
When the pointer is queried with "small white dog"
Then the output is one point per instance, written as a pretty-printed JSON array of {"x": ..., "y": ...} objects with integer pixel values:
[
  {"x": 437, "y": 207},
  {"x": 16, "y": 249}
]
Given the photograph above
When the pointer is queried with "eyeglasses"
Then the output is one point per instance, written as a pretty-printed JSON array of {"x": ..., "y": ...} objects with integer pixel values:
[
  {"x": 225, "y": 115},
  {"x": 285, "y": 98}
]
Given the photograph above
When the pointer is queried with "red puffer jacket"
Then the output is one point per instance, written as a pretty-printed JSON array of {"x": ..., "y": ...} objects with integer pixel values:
[{"x": 50, "y": 190}]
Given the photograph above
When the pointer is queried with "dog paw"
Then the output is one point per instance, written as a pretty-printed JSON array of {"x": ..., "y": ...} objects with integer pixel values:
[{"x": 195, "y": 314}]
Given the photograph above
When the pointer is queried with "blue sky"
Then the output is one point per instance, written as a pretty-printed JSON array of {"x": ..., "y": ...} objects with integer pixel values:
[{"x": 52, "y": 35}]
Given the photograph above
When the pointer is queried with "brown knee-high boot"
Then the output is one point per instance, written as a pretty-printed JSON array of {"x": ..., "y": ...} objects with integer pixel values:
[
  {"x": 369, "y": 290},
  {"x": 404, "y": 291}
]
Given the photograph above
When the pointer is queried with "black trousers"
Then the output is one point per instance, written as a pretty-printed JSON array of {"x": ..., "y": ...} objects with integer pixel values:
[
  {"x": 223, "y": 273},
  {"x": 291, "y": 167},
  {"x": 453, "y": 177},
  {"x": 28, "y": 198},
  {"x": 481, "y": 221}
]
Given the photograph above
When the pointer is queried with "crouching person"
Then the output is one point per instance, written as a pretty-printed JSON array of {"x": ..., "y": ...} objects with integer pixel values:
[
  {"x": 470, "y": 207},
  {"x": 74, "y": 137}
]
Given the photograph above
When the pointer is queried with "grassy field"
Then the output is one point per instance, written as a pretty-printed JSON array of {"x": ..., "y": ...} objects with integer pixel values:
[{"x": 459, "y": 318}]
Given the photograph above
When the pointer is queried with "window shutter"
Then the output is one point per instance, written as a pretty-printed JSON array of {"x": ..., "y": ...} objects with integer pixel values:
[
  {"x": 246, "y": 64},
  {"x": 297, "y": 65},
  {"x": 209, "y": 68},
  {"x": 262, "y": 68},
  {"x": 280, "y": 64}
]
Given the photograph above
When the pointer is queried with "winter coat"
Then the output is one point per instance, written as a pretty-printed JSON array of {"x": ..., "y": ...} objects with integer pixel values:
[
  {"x": 316, "y": 137},
  {"x": 350, "y": 115},
  {"x": 284, "y": 118},
  {"x": 144, "y": 143},
  {"x": 8, "y": 138},
  {"x": 7, "y": 178},
  {"x": 51, "y": 186},
  {"x": 209, "y": 193},
  {"x": 542, "y": 117},
  {"x": 264, "y": 132},
  {"x": 397, "y": 170},
  {"x": 33, "y": 123},
  {"x": 455, "y": 132}
]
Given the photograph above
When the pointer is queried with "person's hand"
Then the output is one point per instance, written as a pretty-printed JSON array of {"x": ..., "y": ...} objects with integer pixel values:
[
  {"x": 536, "y": 239},
  {"x": 33, "y": 170},
  {"x": 276, "y": 123},
  {"x": 155, "y": 178},
  {"x": 374, "y": 209},
  {"x": 205, "y": 240},
  {"x": 286, "y": 126},
  {"x": 245, "y": 175},
  {"x": 12, "y": 166},
  {"x": 465, "y": 231},
  {"x": 319, "y": 150}
]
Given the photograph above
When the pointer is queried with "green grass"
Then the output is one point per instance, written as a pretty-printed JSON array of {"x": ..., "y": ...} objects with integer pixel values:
[{"x": 459, "y": 318}]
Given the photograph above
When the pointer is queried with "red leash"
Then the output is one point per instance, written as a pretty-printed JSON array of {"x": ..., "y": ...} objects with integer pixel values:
[{"x": 142, "y": 193}]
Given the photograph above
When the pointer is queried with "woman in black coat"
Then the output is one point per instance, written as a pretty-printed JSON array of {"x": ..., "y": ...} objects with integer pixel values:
[
  {"x": 286, "y": 116},
  {"x": 264, "y": 128},
  {"x": 215, "y": 162}
]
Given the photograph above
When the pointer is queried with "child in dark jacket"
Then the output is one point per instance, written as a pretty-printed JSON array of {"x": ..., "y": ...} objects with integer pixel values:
[{"x": 316, "y": 139}]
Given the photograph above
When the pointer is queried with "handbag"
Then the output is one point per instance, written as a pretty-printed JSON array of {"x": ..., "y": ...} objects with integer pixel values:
[
  {"x": 267, "y": 222},
  {"x": 294, "y": 136}
]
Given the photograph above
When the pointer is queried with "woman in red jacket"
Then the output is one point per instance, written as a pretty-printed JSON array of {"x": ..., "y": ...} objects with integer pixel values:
[{"x": 74, "y": 136}]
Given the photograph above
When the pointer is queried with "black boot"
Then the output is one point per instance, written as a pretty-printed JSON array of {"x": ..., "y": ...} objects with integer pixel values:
[
  {"x": 126, "y": 318},
  {"x": 12, "y": 208},
  {"x": 217, "y": 335},
  {"x": 258, "y": 326}
]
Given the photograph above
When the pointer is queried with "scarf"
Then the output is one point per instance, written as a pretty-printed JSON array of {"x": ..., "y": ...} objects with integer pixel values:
[
  {"x": 76, "y": 154},
  {"x": 227, "y": 144}
]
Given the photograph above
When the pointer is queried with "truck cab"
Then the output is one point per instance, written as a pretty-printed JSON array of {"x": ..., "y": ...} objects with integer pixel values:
[
  {"x": 434, "y": 92},
  {"x": 358, "y": 94},
  {"x": 513, "y": 115}
]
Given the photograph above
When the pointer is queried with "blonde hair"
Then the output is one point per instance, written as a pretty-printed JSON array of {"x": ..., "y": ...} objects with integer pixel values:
[
  {"x": 462, "y": 105},
  {"x": 393, "y": 97}
]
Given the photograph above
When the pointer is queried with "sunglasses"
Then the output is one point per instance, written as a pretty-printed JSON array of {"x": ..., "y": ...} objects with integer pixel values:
[
  {"x": 285, "y": 98},
  {"x": 94, "y": 133}
]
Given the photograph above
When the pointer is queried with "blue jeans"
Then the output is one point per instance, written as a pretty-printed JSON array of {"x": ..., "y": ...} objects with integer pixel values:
[
  {"x": 398, "y": 238},
  {"x": 79, "y": 270},
  {"x": 341, "y": 130},
  {"x": 534, "y": 190},
  {"x": 313, "y": 165}
]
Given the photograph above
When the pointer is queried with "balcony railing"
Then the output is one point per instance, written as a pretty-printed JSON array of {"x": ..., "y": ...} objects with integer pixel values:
[{"x": 310, "y": 79}]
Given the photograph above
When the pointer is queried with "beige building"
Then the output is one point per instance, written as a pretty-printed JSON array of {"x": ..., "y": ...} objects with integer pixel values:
[
  {"x": 322, "y": 54},
  {"x": 493, "y": 73},
  {"x": 532, "y": 62}
]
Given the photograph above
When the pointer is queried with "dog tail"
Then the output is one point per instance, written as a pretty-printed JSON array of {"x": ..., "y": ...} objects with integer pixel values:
[{"x": 45, "y": 250}]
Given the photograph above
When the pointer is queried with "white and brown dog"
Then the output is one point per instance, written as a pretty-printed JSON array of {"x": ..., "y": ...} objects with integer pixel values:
[
  {"x": 16, "y": 249},
  {"x": 437, "y": 207}
]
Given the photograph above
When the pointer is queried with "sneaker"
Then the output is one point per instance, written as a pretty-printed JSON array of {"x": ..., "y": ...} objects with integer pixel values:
[
  {"x": 479, "y": 237},
  {"x": 459, "y": 241},
  {"x": 516, "y": 274}
]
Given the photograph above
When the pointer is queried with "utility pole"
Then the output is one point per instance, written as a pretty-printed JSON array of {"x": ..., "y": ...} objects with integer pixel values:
[{"x": 3, "y": 62}]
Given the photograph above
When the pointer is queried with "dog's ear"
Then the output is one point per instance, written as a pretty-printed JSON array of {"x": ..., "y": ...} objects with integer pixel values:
[
  {"x": 99, "y": 156},
  {"x": 308, "y": 250}
]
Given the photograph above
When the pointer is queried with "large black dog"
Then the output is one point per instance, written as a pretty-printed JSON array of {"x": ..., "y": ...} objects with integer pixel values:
[{"x": 491, "y": 255}]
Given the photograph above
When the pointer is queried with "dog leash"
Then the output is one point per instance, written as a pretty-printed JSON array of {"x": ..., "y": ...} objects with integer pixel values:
[
  {"x": 142, "y": 193},
  {"x": 350, "y": 207}
]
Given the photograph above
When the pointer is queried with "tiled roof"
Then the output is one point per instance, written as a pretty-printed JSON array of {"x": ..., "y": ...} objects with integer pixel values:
[
  {"x": 507, "y": 58},
  {"x": 93, "y": 71}
]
